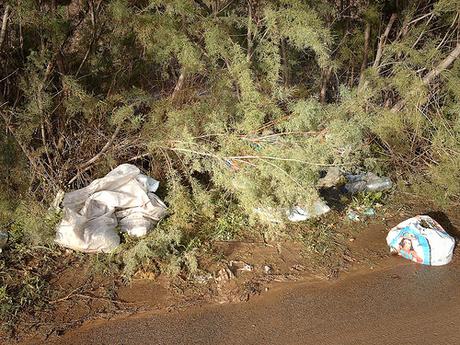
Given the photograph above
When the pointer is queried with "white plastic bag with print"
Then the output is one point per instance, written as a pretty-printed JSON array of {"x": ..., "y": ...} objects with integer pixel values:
[{"x": 421, "y": 239}]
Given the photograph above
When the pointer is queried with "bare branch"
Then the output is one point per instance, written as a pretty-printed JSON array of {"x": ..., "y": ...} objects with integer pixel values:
[
  {"x": 203, "y": 6},
  {"x": 367, "y": 36},
  {"x": 249, "y": 33},
  {"x": 383, "y": 38},
  {"x": 4, "y": 23},
  {"x": 430, "y": 76},
  {"x": 85, "y": 166},
  {"x": 179, "y": 84}
]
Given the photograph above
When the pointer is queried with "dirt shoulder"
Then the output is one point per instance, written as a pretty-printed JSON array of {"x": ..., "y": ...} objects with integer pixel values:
[
  {"x": 370, "y": 308},
  {"x": 234, "y": 272}
]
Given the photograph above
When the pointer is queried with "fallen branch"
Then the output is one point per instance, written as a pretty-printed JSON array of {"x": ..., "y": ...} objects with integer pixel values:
[{"x": 256, "y": 157}]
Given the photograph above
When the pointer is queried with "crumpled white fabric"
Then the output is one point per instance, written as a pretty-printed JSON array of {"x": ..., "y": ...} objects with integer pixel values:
[{"x": 124, "y": 197}]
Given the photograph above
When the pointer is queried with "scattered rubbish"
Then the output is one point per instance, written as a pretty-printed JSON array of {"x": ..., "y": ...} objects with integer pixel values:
[
  {"x": 232, "y": 164},
  {"x": 247, "y": 267},
  {"x": 224, "y": 274},
  {"x": 368, "y": 182},
  {"x": 369, "y": 211},
  {"x": 333, "y": 178},
  {"x": 298, "y": 214},
  {"x": 124, "y": 197},
  {"x": 351, "y": 239},
  {"x": 241, "y": 266},
  {"x": 422, "y": 240},
  {"x": 353, "y": 216},
  {"x": 268, "y": 269},
  {"x": 3, "y": 239},
  {"x": 294, "y": 214},
  {"x": 203, "y": 278}
]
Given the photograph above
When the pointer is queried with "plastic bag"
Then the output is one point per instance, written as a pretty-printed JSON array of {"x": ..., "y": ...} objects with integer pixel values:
[
  {"x": 299, "y": 214},
  {"x": 421, "y": 239},
  {"x": 293, "y": 214},
  {"x": 123, "y": 197},
  {"x": 368, "y": 182}
]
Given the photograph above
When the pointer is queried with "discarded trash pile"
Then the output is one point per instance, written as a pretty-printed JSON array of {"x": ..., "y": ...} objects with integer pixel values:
[
  {"x": 368, "y": 182},
  {"x": 422, "y": 240},
  {"x": 124, "y": 198},
  {"x": 351, "y": 184}
]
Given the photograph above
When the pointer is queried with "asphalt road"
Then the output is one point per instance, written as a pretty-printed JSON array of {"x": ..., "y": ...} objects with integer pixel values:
[{"x": 406, "y": 304}]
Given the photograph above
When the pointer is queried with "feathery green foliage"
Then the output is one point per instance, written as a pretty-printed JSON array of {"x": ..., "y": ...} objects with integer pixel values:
[{"x": 233, "y": 105}]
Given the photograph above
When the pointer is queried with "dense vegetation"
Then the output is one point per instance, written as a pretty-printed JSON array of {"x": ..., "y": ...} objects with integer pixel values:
[{"x": 231, "y": 104}]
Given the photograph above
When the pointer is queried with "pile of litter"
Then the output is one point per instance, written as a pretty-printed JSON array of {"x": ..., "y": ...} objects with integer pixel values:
[
  {"x": 351, "y": 184},
  {"x": 368, "y": 182},
  {"x": 421, "y": 239},
  {"x": 124, "y": 198}
]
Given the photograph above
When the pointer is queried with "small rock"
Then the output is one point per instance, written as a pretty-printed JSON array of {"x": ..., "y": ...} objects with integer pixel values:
[
  {"x": 268, "y": 269},
  {"x": 351, "y": 239},
  {"x": 241, "y": 266},
  {"x": 247, "y": 267}
]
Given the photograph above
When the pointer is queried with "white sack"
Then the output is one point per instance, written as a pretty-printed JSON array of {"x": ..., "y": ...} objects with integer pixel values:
[
  {"x": 124, "y": 196},
  {"x": 421, "y": 239}
]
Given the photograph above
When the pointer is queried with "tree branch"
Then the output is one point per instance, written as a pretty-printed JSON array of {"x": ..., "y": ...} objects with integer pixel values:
[
  {"x": 249, "y": 33},
  {"x": 179, "y": 84},
  {"x": 85, "y": 166},
  {"x": 367, "y": 36},
  {"x": 383, "y": 38},
  {"x": 442, "y": 65},
  {"x": 203, "y": 6},
  {"x": 37, "y": 165},
  {"x": 430, "y": 76},
  {"x": 4, "y": 23}
]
